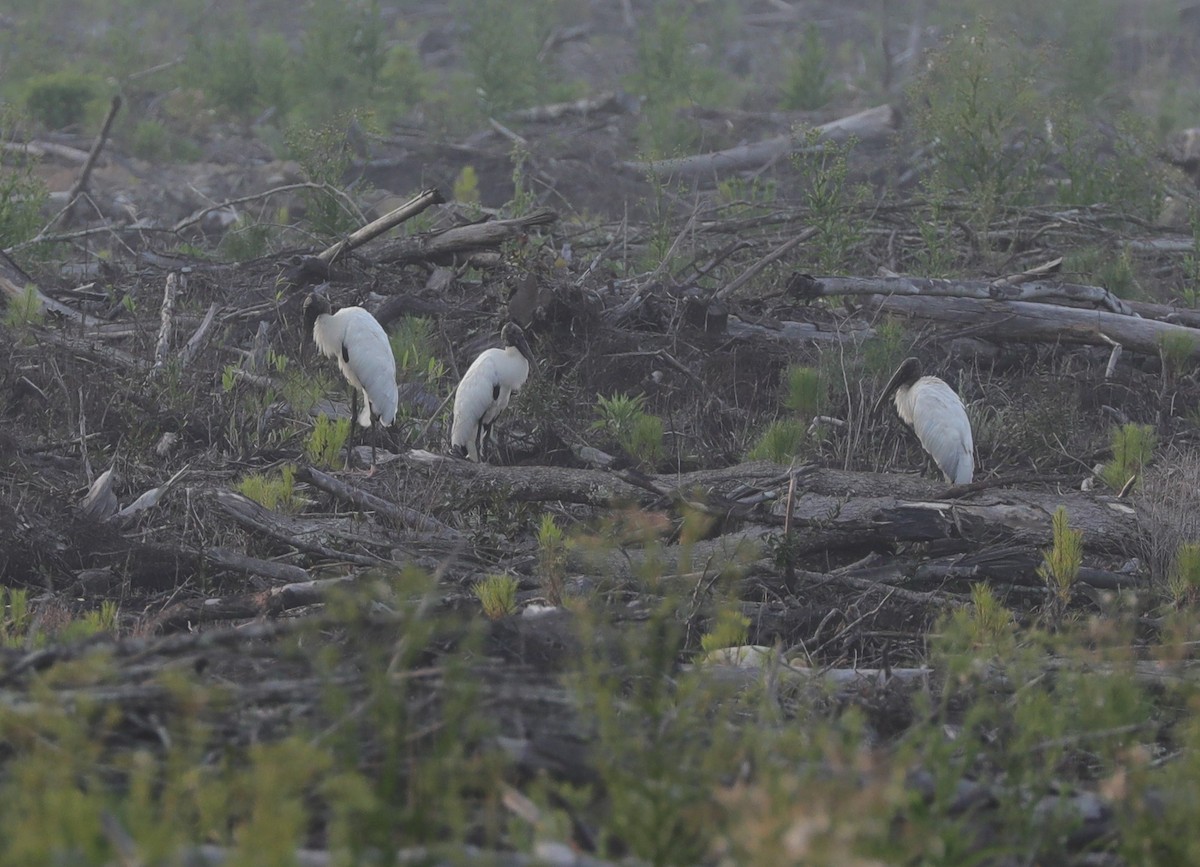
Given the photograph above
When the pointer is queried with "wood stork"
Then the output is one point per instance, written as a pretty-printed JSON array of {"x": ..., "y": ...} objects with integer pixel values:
[
  {"x": 491, "y": 380},
  {"x": 356, "y": 339},
  {"x": 937, "y": 415}
]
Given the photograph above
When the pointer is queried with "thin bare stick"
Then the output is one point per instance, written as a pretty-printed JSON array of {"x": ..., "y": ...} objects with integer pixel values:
[
  {"x": 97, "y": 146},
  {"x": 175, "y": 281},
  {"x": 375, "y": 228},
  {"x": 741, "y": 279},
  {"x": 197, "y": 216},
  {"x": 197, "y": 339}
]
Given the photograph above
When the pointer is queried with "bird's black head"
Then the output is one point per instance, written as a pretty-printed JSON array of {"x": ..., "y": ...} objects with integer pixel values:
[
  {"x": 512, "y": 335},
  {"x": 315, "y": 305},
  {"x": 907, "y": 373}
]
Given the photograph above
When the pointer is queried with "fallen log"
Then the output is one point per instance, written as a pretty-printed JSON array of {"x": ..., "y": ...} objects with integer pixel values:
[
  {"x": 873, "y": 123},
  {"x": 439, "y": 246},
  {"x": 805, "y": 287},
  {"x": 1025, "y": 321},
  {"x": 375, "y": 228}
]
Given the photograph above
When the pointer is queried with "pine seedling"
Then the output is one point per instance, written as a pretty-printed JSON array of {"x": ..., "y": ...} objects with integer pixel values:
[
  {"x": 730, "y": 629},
  {"x": 552, "y": 558},
  {"x": 1183, "y": 581},
  {"x": 498, "y": 596},
  {"x": 1132, "y": 447},
  {"x": 805, "y": 391},
  {"x": 1061, "y": 562},
  {"x": 990, "y": 621},
  {"x": 780, "y": 442},
  {"x": 327, "y": 440}
]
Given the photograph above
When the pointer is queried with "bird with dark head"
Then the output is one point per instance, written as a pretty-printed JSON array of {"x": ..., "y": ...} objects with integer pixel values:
[
  {"x": 364, "y": 355},
  {"x": 485, "y": 390},
  {"x": 937, "y": 415}
]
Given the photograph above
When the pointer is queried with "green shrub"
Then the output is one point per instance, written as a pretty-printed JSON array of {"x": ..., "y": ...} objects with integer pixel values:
[
  {"x": 1183, "y": 581},
  {"x": 782, "y": 441},
  {"x": 413, "y": 343},
  {"x": 552, "y": 558},
  {"x": 805, "y": 391},
  {"x": 979, "y": 104},
  {"x": 503, "y": 46},
  {"x": 1061, "y": 562},
  {"x": 729, "y": 629},
  {"x": 1132, "y": 447},
  {"x": 61, "y": 99},
  {"x": 808, "y": 86},
  {"x": 671, "y": 77},
  {"x": 24, "y": 310},
  {"x": 272, "y": 492},
  {"x": 328, "y": 438},
  {"x": 498, "y": 596}
]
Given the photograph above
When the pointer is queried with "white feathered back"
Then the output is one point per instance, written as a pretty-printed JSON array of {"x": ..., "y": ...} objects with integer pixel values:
[
  {"x": 938, "y": 417},
  {"x": 483, "y": 393},
  {"x": 356, "y": 339}
]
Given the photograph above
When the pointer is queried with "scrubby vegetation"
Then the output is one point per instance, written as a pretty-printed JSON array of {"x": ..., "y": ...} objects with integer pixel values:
[{"x": 706, "y": 608}]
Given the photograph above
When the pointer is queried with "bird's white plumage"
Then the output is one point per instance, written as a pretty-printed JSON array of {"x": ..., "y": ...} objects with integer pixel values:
[
  {"x": 491, "y": 380},
  {"x": 938, "y": 417},
  {"x": 356, "y": 339}
]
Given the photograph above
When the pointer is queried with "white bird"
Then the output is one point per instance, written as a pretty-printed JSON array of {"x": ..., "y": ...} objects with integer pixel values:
[
  {"x": 356, "y": 339},
  {"x": 939, "y": 418},
  {"x": 491, "y": 380}
]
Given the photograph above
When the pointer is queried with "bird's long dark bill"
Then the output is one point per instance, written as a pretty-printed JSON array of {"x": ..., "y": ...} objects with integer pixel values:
[
  {"x": 523, "y": 345},
  {"x": 888, "y": 390}
]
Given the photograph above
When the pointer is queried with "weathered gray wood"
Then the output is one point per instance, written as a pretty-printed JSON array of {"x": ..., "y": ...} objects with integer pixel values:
[
  {"x": 872, "y": 123},
  {"x": 462, "y": 239},
  {"x": 983, "y": 290},
  {"x": 1024, "y": 320}
]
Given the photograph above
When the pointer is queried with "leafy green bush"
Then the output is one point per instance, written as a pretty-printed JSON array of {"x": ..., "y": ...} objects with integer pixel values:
[
  {"x": 552, "y": 558},
  {"x": 805, "y": 392},
  {"x": 782, "y": 441},
  {"x": 1132, "y": 447},
  {"x": 327, "y": 440},
  {"x": 636, "y": 431},
  {"x": 24, "y": 310},
  {"x": 979, "y": 106},
  {"x": 1061, "y": 562},
  {"x": 498, "y": 595},
  {"x": 272, "y": 492},
  {"x": 61, "y": 99},
  {"x": 807, "y": 87},
  {"x": 1183, "y": 581},
  {"x": 502, "y": 48},
  {"x": 671, "y": 77}
]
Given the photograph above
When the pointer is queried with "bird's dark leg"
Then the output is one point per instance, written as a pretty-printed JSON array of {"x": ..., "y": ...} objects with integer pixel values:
[
  {"x": 487, "y": 438},
  {"x": 353, "y": 423},
  {"x": 479, "y": 442}
]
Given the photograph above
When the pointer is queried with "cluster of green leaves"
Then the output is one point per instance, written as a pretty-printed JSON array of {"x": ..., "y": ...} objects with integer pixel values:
[
  {"x": 22, "y": 194},
  {"x": 502, "y": 47},
  {"x": 343, "y": 62},
  {"x": 413, "y": 346},
  {"x": 1061, "y": 561},
  {"x": 995, "y": 128},
  {"x": 327, "y": 440},
  {"x": 671, "y": 77},
  {"x": 808, "y": 84},
  {"x": 1132, "y": 447},
  {"x": 552, "y": 558},
  {"x": 62, "y": 100},
  {"x": 626, "y": 421},
  {"x": 805, "y": 393},
  {"x": 498, "y": 595},
  {"x": 276, "y": 492},
  {"x": 729, "y": 629},
  {"x": 831, "y": 199},
  {"x": 24, "y": 310}
]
